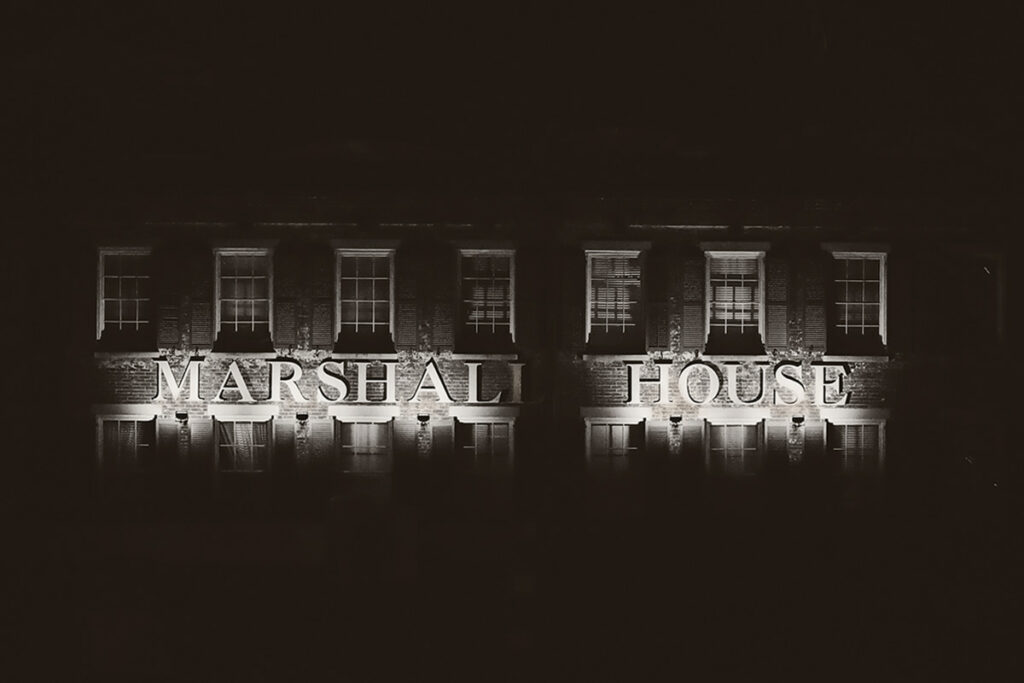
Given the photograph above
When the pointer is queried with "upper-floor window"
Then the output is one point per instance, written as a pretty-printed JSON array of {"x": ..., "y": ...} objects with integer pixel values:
[
  {"x": 486, "y": 300},
  {"x": 615, "y": 316},
  {"x": 125, "y": 305},
  {"x": 365, "y": 293},
  {"x": 735, "y": 301},
  {"x": 858, "y": 311},
  {"x": 244, "y": 294}
]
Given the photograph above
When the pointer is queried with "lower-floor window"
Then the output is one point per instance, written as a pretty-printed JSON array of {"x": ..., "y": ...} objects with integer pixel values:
[
  {"x": 128, "y": 445},
  {"x": 856, "y": 449},
  {"x": 611, "y": 445},
  {"x": 734, "y": 449},
  {"x": 363, "y": 448},
  {"x": 243, "y": 446},
  {"x": 484, "y": 447}
]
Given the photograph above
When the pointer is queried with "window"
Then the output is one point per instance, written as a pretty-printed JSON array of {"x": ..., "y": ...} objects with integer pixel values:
[
  {"x": 244, "y": 296},
  {"x": 128, "y": 445},
  {"x": 125, "y": 307},
  {"x": 611, "y": 446},
  {"x": 363, "y": 448},
  {"x": 734, "y": 450},
  {"x": 487, "y": 300},
  {"x": 484, "y": 448},
  {"x": 365, "y": 299},
  {"x": 856, "y": 449},
  {"x": 243, "y": 446},
  {"x": 615, "y": 301},
  {"x": 858, "y": 316},
  {"x": 735, "y": 301}
]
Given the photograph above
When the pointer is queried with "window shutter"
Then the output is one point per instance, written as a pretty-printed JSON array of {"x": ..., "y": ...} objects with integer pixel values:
[
  {"x": 443, "y": 312},
  {"x": 900, "y": 311},
  {"x": 814, "y": 442},
  {"x": 815, "y": 271},
  {"x": 289, "y": 264},
  {"x": 284, "y": 445},
  {"x": 320, "y": 271},
  {"x": 693, "y": 304},
  {"x": 201, "y": 296},
  {"x": 692, "y": 432},
  {"x": 321, "y": 441},
  {"x": 407, "y": 278},
  {"x": 167, "y": 432},
  {"x": 529, "y": 313},
  {"x": 443, "y": 440},
  {"x": 657, "y": 285},
  {"x": 776, "y": 445},
  {"x": 573, "y": 299},
  {"x": 657, "y": 439},
  {"x": 776, "y": 303},
  {"x": 167, "y": 297},
  {"x": 201, "y": 444}
]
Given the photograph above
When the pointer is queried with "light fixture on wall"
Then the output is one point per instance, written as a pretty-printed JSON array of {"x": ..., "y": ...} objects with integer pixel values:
[
  {"x": 423, "y": 418},
  {"x": 798, "y": 420},
  {"x": 675, "y": 419},
  {"x": 302, "y": 418},
  {"x": 181, "y": 416}
]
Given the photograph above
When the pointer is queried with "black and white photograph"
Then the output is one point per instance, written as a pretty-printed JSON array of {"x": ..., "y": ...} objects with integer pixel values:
[{"x": 512, "y": 342}]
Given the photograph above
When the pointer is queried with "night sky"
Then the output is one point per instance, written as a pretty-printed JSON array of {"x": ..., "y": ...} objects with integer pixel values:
[{"x": 789, "y": 97}]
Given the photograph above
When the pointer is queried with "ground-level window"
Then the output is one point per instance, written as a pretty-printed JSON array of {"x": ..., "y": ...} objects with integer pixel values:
[
  {"x": 610, "y": 446},
  {"x": 363, "y": 448},
  {"x": 484, "y": 448},
  {"x": 128, "y": 445},
  {"x": 243, "y": 446},
  {"x": 734, "y": 449},
  {"x": 856, "y": 449}
]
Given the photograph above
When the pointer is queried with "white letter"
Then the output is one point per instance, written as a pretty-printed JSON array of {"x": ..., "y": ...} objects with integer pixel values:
[
  {"x": 734, "y": 394},
  {"x": 435, "y": 379},
  {"x": 474, "y": 386},
  {"x": 837, "y": 381},
  {"x": 235, "y": 374},
  {"x": 662, "y": 379},
  {"x": 291, "y": 382},
  {"x": 390, "y": 390},
  {"x": 714, "y": 383},
  {"x": 784, "y": 381},
  {"x": 191, "y": 374},
  {"x": 336, "y": 382}
]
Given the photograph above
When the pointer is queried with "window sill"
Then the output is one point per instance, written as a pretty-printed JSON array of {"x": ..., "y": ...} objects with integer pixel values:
[
  {"x": 485, "y": 356},
  {"x": 364, "y": 355},
  {"x": 217, "y": 355},
  {"x": 736, "y": 358},
  {"x": 625, "y": 357},
  {"x": 154, "y": 354},
  {"x": 840, "y": 358}
]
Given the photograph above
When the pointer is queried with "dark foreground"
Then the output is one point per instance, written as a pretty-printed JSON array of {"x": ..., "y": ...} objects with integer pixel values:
[{"x": 923, "y": 591}]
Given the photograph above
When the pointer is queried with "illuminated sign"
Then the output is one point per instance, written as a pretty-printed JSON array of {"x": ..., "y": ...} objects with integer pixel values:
[
  {"x": 332, "y": 384},
  {"x": 789, "y": 387}
]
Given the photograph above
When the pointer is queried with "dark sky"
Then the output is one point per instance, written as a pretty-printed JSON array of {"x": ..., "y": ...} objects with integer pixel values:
[{"x": 785, "y": 96}]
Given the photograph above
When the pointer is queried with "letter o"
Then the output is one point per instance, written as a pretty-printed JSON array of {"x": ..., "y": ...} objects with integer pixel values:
[{"x": 714, "y": 383}]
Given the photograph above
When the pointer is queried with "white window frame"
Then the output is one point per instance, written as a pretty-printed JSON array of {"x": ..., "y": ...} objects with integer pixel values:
[
  {"x": 734, "y": 253},
  {"x": 251, "y": 417},
  {"x": 883, "y": 286},
  {"x": 364, "y": 418},
  {"x": 243, "y": 251},
  {"x": 842, "y": 421},
  {"x": 627, "y": 253},
  {"x": 510, "y": 421},
  {"x": 511, "y": 254},
  {"x": 103, "y": 252},
  {"x": 122, "y": 412},
  {"x": 624, "y": 419},
  {"x": 729, "y": 417},
  {"x": 340, "y": 252}
]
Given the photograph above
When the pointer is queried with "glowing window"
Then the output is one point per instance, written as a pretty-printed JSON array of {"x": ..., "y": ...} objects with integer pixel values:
[
  {"x": 734, "y": 449},
  {"x": 243, "y": 446},
  {"x": 859, "y": 295},
  {"x": 127, "y": 445},
  {"x": 487, "y": 296},
  {"x": 244, "y": 291},
  {"x": 365, "y": 296},
  {"x": 856, "y": 448},
  {"x": 363, "y": 448},
  {"x": 125, "y": 299},
  {"x": 615, "y": 299},
  {"x": 611, "y": 445},
  {"x": 734, "y": 293}
]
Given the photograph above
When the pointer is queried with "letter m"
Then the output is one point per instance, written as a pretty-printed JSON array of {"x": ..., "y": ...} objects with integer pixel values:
[{"x": 165, "y": 378}]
